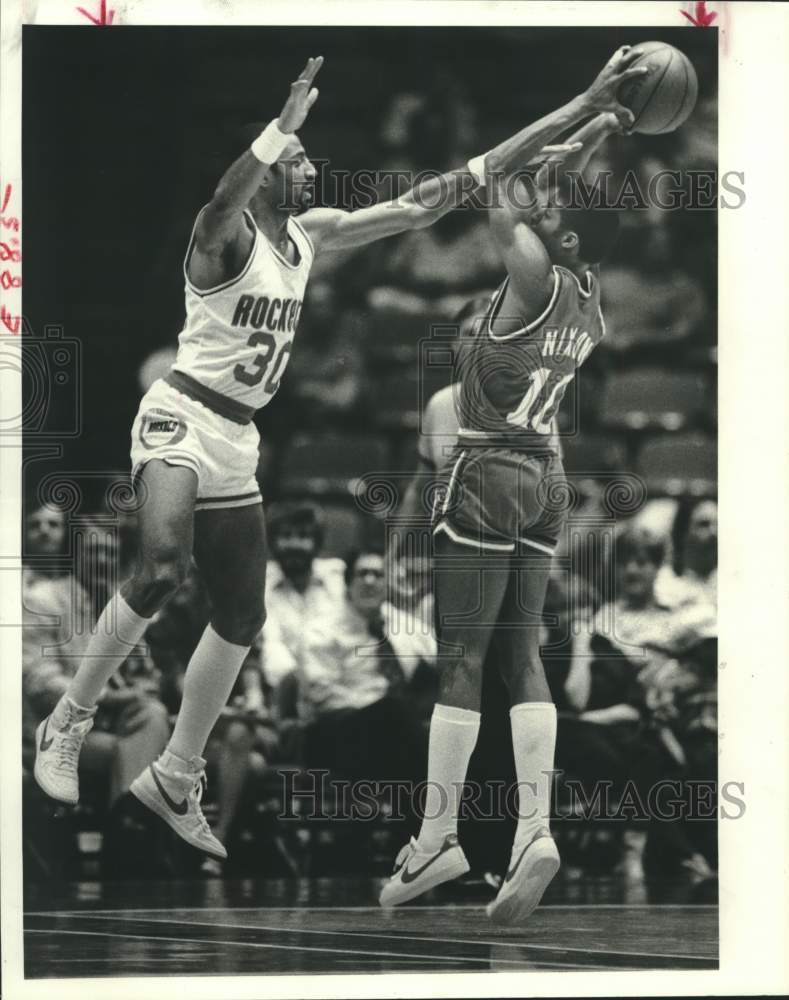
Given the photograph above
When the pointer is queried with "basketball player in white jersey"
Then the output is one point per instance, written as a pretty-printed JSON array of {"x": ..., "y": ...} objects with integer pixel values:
[{"x": 195, "y": 448}]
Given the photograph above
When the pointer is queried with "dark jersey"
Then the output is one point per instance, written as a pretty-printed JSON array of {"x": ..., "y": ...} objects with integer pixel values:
[{"x": 512, "y": 383}]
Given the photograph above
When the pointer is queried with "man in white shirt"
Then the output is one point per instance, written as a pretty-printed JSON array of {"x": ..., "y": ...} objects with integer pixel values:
[
  {"x": 365, "y": 684},
  {"x": 369, "y": 651},
  {"x": 301, "y": 587}
]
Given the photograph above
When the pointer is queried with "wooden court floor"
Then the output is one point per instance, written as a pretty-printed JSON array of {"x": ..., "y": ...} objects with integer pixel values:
[{"x": 216, "y": 927}]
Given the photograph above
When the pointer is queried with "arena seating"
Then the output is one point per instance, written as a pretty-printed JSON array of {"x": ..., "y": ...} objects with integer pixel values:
[
  {"x": 320, "y": 466},
  {"x": 674, "y": 464},
  {"x": 653, "y": 398}
]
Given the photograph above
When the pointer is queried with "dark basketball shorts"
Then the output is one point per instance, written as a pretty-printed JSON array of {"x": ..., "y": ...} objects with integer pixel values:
[{"x": 497, "y": 500}]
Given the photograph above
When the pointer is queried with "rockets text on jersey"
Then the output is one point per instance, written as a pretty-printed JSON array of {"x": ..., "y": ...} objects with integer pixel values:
[
  {"x": 238, "y": 336},
  {"x": 513, "y": 383}
]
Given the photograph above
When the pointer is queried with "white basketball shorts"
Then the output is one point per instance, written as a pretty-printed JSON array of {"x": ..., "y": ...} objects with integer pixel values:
[{"x": 182, "y": 431}]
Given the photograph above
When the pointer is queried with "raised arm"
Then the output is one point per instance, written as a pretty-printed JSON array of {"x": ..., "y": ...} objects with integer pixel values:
[
  {"x": 429, "y": 201},
  {"x": 556, "y": 169},
  {"x": 522, "y": 252},
  {"x": 421, "y": 206},
  {"x": 220, "y": 233},
  {"x": 601, "y": 96}
]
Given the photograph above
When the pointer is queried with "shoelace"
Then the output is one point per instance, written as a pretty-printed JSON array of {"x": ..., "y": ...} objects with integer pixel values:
[
  {"x": 68, "y": 747},
  {"x": 195, "y": 783},
  {"x": 405, "y": 853}
]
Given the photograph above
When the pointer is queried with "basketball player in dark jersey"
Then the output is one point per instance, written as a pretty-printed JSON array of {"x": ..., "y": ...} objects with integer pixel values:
[{"x": 498, "y": 522}]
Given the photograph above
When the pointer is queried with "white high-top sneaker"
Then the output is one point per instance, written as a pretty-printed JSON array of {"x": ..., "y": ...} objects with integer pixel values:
[
  {"x": 173, "y": 789},
  {"x": 57, "y": 753}
]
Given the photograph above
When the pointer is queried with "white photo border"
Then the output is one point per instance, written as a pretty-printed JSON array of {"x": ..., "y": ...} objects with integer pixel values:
[{"x": 753, "y": 486}]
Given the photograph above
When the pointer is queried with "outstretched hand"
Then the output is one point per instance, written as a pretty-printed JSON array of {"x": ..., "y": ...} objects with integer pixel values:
[
  {"x": 602, "y": 93},
  {"x": 302, "y": 97},
  {"x": 558, "y": 152}
]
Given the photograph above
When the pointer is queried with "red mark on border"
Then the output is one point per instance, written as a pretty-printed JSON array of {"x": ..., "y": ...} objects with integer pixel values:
[
  {"x": 104, "y": 16},
  {"x": 10, "y": 322},
  {"x": 702, "y": 17},
  {"x": 8, "y": 252},
  {"x": 11, "y": 254}
]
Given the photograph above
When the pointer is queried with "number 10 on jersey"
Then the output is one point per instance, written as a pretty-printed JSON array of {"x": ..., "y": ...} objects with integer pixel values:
[{"x": 538, "y": 407}]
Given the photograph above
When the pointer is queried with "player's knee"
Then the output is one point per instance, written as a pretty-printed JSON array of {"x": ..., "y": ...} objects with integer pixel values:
[
  {"x": 163, "y": 571},
  {"x": 461, "y": 674},
  {"x": 240, "y": 625}
]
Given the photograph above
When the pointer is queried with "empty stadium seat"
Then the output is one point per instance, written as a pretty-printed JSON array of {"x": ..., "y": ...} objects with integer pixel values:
[
  {"x": 653, "y": 398},
  {"x": 331, "y": 464},
  {"x": 673, "y": 464}
]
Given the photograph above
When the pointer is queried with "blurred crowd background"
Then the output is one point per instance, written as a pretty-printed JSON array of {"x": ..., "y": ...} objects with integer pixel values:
[{"x": 630, "y": 621}]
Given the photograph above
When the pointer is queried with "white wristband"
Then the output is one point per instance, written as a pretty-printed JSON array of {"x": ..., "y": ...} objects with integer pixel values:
[
  {"x": 476, "y": 167},
  {"x": 269, "y": 144}
]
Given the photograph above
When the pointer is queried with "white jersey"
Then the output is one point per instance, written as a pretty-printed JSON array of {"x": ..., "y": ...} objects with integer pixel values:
[{"x": 238, "y": 335}]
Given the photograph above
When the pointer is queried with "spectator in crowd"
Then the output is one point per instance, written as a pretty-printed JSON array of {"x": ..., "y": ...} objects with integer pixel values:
[
  {"x": 56, "y": 608},
  {"x": 301, "y": 587},
  {"x": 693, "y": 575},
  {"x": 682, "y": 697},
  {"x": 131, "y": 727},
  {"x": 635, "y": 619},
  {"x": 615, "y": 679},
  {"x": 365, "y": 683}
]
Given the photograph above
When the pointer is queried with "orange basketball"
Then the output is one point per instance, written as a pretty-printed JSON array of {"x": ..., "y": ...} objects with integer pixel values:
[{"x": 664, "y": 98}]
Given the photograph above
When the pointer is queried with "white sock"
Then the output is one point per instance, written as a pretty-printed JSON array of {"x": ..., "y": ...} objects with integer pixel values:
[
  {"x": 67, "y": 712},
  {"x": 169, "y": 762},
  {"x": 209, "y": 679},
  {"x": 453, "y": 736},
  {"x": 117, "y": 632},
  {"x": 534, "y": 743}
]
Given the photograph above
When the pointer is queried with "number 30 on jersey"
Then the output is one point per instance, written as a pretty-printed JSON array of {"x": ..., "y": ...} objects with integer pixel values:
[{"x": 253, "y": 375}]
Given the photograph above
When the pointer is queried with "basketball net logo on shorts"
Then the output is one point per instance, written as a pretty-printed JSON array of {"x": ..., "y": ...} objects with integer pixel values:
[{"x": 159, "y": 427}]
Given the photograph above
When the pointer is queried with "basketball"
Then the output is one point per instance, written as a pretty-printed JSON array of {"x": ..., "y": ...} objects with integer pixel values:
[{"x": 663, "y": 99}]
